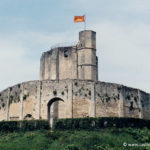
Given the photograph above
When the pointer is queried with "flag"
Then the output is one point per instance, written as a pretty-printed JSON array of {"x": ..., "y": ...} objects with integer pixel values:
[{"x": 79, "y": 19}]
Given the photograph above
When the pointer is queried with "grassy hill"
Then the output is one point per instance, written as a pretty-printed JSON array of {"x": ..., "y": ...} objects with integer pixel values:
[{"x": 101, "y": 139}]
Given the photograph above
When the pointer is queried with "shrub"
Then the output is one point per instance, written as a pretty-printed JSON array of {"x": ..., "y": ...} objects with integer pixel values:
[
  {"x": 24, "y": 97},
  {"x": 71, "y": 147},
  {"x": 3, "y": 105},
  {"x": 97, "y": 123},
  {"x": 11, "y": 99},
  {"x": 127, "y": 97},
  {"x": 30, "y": 125}
]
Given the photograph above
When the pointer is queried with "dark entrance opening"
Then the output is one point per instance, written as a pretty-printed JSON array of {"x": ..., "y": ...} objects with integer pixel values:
[{"x": 52, "y": 110}]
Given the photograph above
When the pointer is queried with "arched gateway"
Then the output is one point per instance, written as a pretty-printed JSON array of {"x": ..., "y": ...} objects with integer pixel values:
[{"x": 53, "y": 110}]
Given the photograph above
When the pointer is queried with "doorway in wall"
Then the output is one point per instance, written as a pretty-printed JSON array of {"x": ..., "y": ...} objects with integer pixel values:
[{"x": 52, "y": 110}]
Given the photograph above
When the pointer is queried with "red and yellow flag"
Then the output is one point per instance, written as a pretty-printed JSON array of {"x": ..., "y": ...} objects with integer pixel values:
[{"x": 79, "y": 19}]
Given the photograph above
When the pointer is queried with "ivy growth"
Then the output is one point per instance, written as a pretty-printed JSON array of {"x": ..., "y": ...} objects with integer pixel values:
[
  {"x": 107, "y": 99},
  {"x": 3, "y": 105},
  {"x": 25, "y": 96},
  {"x": 10, "y": 99},
  {"x": 127, "y": 97}
]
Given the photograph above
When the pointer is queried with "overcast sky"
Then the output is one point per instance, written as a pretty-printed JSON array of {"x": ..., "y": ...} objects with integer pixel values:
[{"x": 30, "y": 27}]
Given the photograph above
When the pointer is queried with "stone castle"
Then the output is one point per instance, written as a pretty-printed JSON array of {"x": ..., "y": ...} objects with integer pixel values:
[{"x": 69, "y": 88}]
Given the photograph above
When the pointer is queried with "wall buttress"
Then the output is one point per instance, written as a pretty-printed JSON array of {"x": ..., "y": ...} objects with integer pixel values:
[
  {"x": 70, "y": 101},
  {"x": 140, "y": 105},
  {"x": 39, "y": 99},
  {"x": 121, "y": 103},
  {"x": 21, "y": 102},
  {"x": 92, "y": 108},
  {"x": 7, "y": 105}
]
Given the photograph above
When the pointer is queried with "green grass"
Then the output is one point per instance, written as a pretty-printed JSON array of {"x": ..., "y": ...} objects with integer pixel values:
[{"x": 103, "y": 139}]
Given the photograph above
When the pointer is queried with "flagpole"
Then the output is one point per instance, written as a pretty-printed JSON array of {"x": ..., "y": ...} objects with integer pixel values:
[
  {"x": 84, "y": 27},
  {"x": 85, "y": 22}
]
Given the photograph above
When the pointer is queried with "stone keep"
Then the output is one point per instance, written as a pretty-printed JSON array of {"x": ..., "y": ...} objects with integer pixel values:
[
  {"x": 74, "y": 62},
  {"x": 69, "y": 88}
]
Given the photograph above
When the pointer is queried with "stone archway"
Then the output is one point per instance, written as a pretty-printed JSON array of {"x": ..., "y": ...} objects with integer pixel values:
[{"x": 52, "y": 110}]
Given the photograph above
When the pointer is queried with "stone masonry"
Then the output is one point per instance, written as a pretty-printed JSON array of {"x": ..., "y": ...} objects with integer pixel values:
[{"x": 69, "y": 88}]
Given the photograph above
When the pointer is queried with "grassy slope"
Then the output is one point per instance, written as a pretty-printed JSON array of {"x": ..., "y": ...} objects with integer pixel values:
[{"x": 109, "y": 138}]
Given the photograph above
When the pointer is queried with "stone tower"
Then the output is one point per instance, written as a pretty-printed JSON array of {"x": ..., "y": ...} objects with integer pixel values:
[
  {"x": 87, "y": 60},
  {"x": 73, "y": 62}
]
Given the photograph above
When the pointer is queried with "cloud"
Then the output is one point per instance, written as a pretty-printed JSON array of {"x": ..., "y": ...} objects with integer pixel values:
[
  {"x": 123, "y": 53},
  {"x": 12, "y": 63},
  {"x": 138, "y": 6},
  {"x": 20, "y": 54}
]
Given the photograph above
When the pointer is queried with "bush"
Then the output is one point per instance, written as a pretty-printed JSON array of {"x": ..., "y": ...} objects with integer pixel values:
[
  {"x": 71, "y": 147},
  {"x": 97, "y": 123},
  {"x": 11, "y": 126}
]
